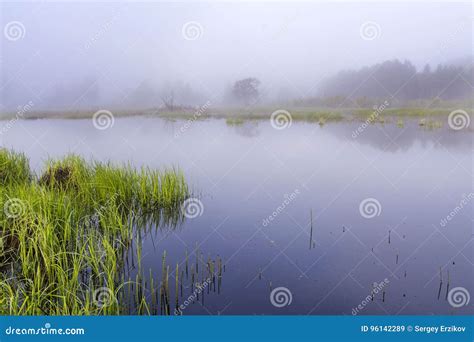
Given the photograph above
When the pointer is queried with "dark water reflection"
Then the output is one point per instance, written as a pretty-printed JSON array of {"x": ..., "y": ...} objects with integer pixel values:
[{"x": 244, "y": 173}]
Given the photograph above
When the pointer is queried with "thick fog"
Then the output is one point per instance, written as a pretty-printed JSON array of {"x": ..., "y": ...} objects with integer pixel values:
[{"x": 79, "y": 56}]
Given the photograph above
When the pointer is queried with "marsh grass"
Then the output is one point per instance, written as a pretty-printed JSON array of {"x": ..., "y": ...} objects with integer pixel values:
[
  {"x": 403, "y": 112},
  {"x": 430, "y": 124},
  {"x": 234, "y": 121},
  {"x": 238, "y": 116},
  {"x": 14, "y": 168},
  {"x": 426, "y": 118},
  {"x": 322, "y": 116},
  {"x": 65, "y": 233}
]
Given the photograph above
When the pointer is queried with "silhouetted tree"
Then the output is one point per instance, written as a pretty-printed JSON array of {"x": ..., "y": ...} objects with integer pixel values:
[{"x": 246, "y": 90}]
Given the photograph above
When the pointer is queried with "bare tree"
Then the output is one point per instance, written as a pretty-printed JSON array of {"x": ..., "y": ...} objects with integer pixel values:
[{"x": 168, "y": 100}]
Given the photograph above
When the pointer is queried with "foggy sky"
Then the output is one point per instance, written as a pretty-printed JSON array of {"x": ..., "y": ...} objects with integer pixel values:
[{"x": 80, "y": 55}]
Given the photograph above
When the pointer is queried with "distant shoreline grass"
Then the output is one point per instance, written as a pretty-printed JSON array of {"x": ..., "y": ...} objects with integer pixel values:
[
  {"x": 425, "y": 118},
  {"x": 236, "y": 116}
]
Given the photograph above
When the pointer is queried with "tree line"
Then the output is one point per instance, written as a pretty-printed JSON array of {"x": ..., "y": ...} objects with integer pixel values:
[{"x": 402, "y": 81}]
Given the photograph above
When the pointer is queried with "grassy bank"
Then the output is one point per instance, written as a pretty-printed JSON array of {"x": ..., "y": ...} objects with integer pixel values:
[
  {"x": 65, "y": 233},
  {"x": 237, "y": 115},
  {"x": 426, "y": 118}
]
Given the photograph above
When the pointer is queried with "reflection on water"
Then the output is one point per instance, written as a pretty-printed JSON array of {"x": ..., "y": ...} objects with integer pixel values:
[{"x": 327, "y": 253}]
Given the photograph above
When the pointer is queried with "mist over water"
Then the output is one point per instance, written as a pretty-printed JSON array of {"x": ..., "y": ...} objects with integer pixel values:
[{"x": 122, "y": 55}]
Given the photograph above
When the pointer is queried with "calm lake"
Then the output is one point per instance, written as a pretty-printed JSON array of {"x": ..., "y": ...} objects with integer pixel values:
[{"x": 258, "y": 187}]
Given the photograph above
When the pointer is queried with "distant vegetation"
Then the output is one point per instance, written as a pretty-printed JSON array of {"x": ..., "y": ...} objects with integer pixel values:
[
  {"x": 402, "y": 80},
  {"x": 406, "y": 89},
  {"x": 246, "y": 91}
]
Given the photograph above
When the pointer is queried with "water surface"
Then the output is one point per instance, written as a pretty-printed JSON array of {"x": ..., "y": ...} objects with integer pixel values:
[{"x": 244, "y": 174}]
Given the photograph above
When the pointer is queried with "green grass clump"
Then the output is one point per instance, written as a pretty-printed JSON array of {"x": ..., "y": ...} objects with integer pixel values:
[
  {"x": 430, "y": 124},
  {"x": 14, "y": 168},
  {"x": 63, "y": 234},
  {"x": 65, "y": 174},
  {"x": 235, "y": 121},
  {"x": 401, "y": 112},
  {"x": 320, "y": 117}
]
